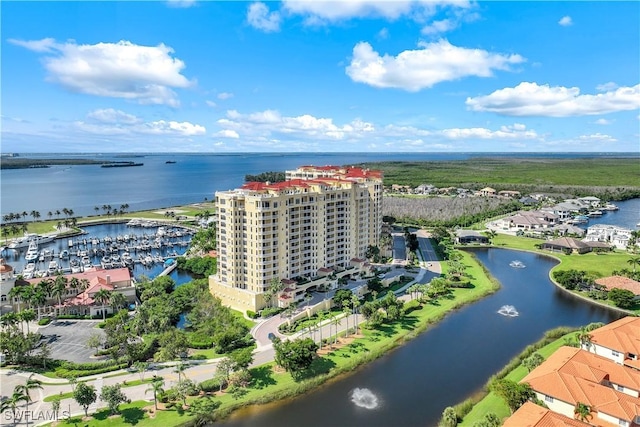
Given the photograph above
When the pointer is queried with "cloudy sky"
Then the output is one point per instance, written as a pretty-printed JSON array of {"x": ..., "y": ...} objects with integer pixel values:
[{"x": 358, "y": 75}]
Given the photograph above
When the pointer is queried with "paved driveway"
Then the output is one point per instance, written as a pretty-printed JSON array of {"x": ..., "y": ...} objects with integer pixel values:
[{"x": 67, "y": 339}]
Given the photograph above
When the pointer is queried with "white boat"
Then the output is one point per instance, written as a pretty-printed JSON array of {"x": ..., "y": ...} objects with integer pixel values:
[
  {"x": 611, "y": 207},
  {"x": 595, "y": 213},
  {"x": 53, "y": 268},
  {"x": 23, "y": 242},
  {"x": 64, "y": 254},
  {"x": 86, "y": 263},
  {"x": 29, "y": 269},
  {"x": 75, "y": 266},
  {"x": 32, "y": 252}
]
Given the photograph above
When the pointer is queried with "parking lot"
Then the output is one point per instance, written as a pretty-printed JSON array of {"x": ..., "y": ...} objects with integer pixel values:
[{"x": 67, "y": 339}]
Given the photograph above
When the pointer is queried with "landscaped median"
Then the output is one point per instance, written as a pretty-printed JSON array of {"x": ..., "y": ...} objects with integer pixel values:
[{"x": 269, "y": 384}]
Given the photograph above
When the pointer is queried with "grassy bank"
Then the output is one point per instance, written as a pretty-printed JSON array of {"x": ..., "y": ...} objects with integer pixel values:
[{"x": 491, "y": 402}]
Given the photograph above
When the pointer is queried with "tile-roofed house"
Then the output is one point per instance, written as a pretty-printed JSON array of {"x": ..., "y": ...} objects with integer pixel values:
[
  {"x": 470, "y": 236},
  {"x": 79, "y": 301},
  {"x": 566, "y": 244},
  {"x": 487, "y": 191},
  {"x": 620, "y": 282},
  {"x": 532, "y": 415},
  {"x": 571, "y": 376},
  {"x": 618, "y": 341}
]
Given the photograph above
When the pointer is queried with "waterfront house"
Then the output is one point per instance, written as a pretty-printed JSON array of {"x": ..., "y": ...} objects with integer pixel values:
[
  {"x": 511, "y": 194},
  {"x": 620, "y": 282},
  {"x": 592, "y": 201},
  {"x": 617, "y": 236},
  {"x": 566, "y": 244},
  {"x": 464, "y": 237},
  {"x": 571, "y": 376}
]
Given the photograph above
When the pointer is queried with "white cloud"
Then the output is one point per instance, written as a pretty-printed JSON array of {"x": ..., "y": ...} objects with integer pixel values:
[
  {"x": 322, "y": 12},
  {"x": 605, "y": 87},
  {"x": 597, "y": 137},
  {"x": 438, "y": 27},
  {"x": 228, "y": 133},
  {"x": 603, "y": 122},
  {"x": 433, "y": 63},
  {"x": 565, "y": 21},
  {"x": 145, "y": 74},
  {"x": 44, "y": 45},
  {"x": 225, "y": 95},
  {"x": 531, "y": 99},
  {"x": 115, "y": 122},
  {"x": 210, "y": 103},
  {"x": 181, "y": 3},
  {"x": 515, "y": 131},
  {"x": 109, "y": 115},
  {"x": 259, "y": 16},
  {"x": 383, "y": 34}
]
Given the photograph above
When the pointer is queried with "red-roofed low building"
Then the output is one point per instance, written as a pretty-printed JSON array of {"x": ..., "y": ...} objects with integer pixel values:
[
  {"x": 620, "y": 282},
  {"x": 81, "y": 300}
]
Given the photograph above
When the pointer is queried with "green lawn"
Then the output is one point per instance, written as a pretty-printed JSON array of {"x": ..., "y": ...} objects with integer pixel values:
[{"x": 495, "y": 404}]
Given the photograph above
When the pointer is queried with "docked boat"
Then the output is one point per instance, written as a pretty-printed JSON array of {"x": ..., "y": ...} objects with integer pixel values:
[
  {"x": 23, "y": 242},
  {"x": 64, "y": 254},
  {"x": 86, "y": 263},
  {"x": 29, "y": 270},
  {"x": 593, "y": 214},
  {"x": 53, "y": 268},
  {"x": 32, "y": 252},
  {"x": 75, "y": 265},
  {"x": 611, "y": 207}
]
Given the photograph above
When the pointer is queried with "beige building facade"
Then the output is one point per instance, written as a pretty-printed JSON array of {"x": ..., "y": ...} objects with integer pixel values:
[{"x": 320, "y": 217}]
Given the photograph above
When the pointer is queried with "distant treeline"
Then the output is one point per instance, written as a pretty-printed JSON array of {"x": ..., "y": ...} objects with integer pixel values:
[
  {"x": 266, "y": 177},
  {"x": 22, "y": 163},
  {"x": 528, "y": 174}
]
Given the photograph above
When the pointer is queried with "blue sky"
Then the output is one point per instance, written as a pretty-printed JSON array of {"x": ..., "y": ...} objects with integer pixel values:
[{"x": 428, "y": 76}]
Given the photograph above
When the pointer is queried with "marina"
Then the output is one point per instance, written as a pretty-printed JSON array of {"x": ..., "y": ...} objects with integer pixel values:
[{"x": 142, "y": 246}]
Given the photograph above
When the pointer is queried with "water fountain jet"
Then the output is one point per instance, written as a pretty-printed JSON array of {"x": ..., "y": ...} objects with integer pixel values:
[
  {"x": 364, "y": 398},
  {"x": 508, "y": 311}
]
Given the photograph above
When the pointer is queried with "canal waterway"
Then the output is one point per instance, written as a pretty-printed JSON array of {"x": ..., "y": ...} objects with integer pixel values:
[{"x": 449, "y": 362}]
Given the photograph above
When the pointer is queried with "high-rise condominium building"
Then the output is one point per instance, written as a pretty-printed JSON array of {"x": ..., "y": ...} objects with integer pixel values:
[{"x": 319, "y": 218}]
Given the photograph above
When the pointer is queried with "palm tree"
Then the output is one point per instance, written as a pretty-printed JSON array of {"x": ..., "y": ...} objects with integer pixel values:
[
  {"x": 27, "y": 316},
  {"x": 11, "y": 403},
  {"x": 59, "y": 288},
  {"x": 582, "y": 412},
  {"x": 156, "y": 387},
  {"x": 634, "y": 262},
  {"x": 15, "y": 294},
  {"x": 355, "y": 302},
  {"x": 74, "y": 284},
  {"x": 9, "y": 319},
  {"x": 102, "y": 297},
  {"x": 321, "y": 317},
  {"x": 97, "y": 209},
  {"x": 26, "y": 388},
  {"x": 584, "y": 338},
  {"x": 336, "y": 322},
  {"x": 179, "y": 369},
  {"x": 118, "y": 301},
  {"x": 346, "y": 309}
]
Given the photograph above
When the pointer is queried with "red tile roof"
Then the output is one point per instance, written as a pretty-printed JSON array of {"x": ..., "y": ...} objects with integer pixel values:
[
  {"x": 620, "y": 282},
  {"x": 622, "y": 335},
  {"x": 573, "y": 375},
  {"x": 532, "y": 415}
]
